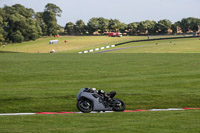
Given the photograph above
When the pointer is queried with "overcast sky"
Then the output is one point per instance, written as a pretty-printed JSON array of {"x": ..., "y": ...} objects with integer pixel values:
[{"x": 126, "y": 11}]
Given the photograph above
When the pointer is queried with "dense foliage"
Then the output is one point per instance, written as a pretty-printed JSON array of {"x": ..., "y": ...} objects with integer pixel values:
[
  {"x": 102, "y": 25},
  {"x": 23, "y": 24}
]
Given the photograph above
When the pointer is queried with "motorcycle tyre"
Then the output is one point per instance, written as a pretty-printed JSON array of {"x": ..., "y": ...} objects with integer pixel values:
[
  {"x": 119, "y": 109},
  {"x": 81, "y": 109}
]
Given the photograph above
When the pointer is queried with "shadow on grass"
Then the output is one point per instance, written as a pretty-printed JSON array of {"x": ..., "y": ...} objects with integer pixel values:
[{"x": 8, "y": 52}]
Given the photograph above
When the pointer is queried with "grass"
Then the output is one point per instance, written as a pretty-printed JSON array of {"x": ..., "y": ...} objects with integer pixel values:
[
  {"x": 189, "y": 45},
  {"x": 75, "y": 44},
  {"x": 50, "y": 82},
  {"x": 140, "y": 122}
]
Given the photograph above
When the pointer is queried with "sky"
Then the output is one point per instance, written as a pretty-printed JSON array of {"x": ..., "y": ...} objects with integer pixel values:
[{"x": 126, "y": 11}]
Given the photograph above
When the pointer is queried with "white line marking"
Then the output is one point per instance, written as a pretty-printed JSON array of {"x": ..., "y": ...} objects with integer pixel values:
[
  {"x": 170, "y": 109},
  {"x": 18, "y": 114}
]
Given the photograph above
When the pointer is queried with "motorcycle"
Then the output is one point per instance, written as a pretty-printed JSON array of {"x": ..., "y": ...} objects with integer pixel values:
[{"x": 91, "y": 100}]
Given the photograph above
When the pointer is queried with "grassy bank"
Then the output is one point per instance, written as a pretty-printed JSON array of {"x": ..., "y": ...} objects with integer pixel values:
[
  {"x": 50, "y": 82},
  {"x": 187, "y": 45},
  {"x": 80, "y": 43},
  {"x": 74, "y": 45}
]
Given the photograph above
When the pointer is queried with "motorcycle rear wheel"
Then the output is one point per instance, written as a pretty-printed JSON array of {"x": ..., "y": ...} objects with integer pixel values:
[
  {"x": 84, "y": 105},
  {"x": 118, "y": 105}
]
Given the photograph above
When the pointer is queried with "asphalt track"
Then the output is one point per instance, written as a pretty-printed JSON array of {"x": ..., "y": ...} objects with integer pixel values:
[
  {"x": 164, "y": 38},
  {"x": 139, "y": 110},
  {"x": 123, "y": 48}
]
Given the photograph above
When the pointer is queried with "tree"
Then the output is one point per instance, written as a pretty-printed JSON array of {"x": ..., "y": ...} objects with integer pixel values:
[
  {"x": 16, "y": 37},
  {"x": 27, "y": 13},
  {"x": 163, "y": 26},
  {"x": 185, "y": 25},
  {"x": 20, "y": 22},
  {"x": 150, "y": 26},
  {"x": 142, "y": 27},
  {"x": 16, "y": 22},
  {"x": 98, "y": 24},
  {"x": 32, "y": 29},
  {"x": 175, "y": 26},
  {"x": 132, "y": 28},
  {"x": 122, "y": 27},
  {"x": 27, "y": 27},
  {"x": 103, "y": 24},
  {"x": 114, "y": 25},
  {"x": 3, "y": 33},
  {"x": 9, "y": 10},
  {"x": 42, "y": 27},
  {"x": 53, "y": 8},
  {"x": 51, "y": 23},
  {"x": 93, "y": 25},
  {"x": 49, "y": 17},
  {"x": 147, "y": 27},
  {"x": 80, "y": 27},
  {"x": 190, "y": 23},
  {"x": 1, "y": 39},
  {"x": 194, "y": 24},
  {"x": 69, "y": 28}
]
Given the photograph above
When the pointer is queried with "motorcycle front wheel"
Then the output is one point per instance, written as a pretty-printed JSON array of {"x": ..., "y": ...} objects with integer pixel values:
[
  {"x": 84, "y": 105},
  {"x": 118, "y": 105}
]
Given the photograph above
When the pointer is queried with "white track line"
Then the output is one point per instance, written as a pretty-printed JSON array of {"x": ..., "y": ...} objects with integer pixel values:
[
  {"x": 170, "y": 109},
  {"x": 18, "y": 114}
]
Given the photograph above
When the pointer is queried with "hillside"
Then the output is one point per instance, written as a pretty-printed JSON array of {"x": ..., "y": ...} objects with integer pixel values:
[{"x": 75, "y": 44}]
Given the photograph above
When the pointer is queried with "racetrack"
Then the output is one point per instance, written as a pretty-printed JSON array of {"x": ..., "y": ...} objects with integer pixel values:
[
  {"x": 187, "y": 45},
  {"x": 123, "y": 48}
]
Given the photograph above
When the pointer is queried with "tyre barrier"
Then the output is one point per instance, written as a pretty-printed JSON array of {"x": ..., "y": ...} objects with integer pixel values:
[{"x": 96, "y": 49}]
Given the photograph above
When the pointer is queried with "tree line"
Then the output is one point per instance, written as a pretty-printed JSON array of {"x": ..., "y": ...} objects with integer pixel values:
[
  {"x": 101, "y": 25},
  {"x": 18, "y": 24}
]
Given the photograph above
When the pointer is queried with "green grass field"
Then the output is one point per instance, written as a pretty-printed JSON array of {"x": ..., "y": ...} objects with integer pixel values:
[
  {"x": 79, "y": 43},
  {"x": 50, "y": 82},
  {"x": 187, "y": 45}
]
